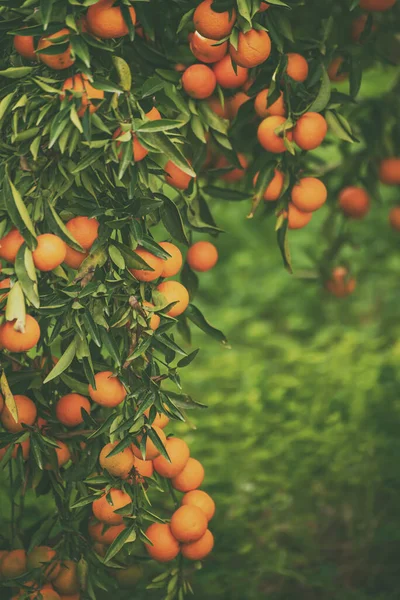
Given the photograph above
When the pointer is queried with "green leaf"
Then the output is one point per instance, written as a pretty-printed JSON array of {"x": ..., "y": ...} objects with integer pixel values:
[
  {"x": 57, "y": 226},
  {"x": 244, "y": 9},
  {"x": 152, "y": 85},
  {"x": 159, "y": 125},
  {"x": 18, "y": 212},
  {"x": 74, "y": 384},
  {"x": 172, "y": 220},
  {"x": 16, "y": 72},
  {"x": 116, "y": 257},
  {"x": 194, "y": 314},
  {"x": 219, "y": 193},
  {"x": 185, "y": 20},
  {"x": 184, "y": 362},
  {"x": 324, "y": 94},
  {"x": 284, "y": 245},
  {"x": 339, "y": 126},
  {"x": 124, "y": 72},
  {"x": 89, "y": 160},
  {"x": 161, "y": 142},
  {"x": 64, "y": 362},
  {"x": 26, "y": 273},
  {"x": 80, "y": 49},
  {"x": 5, "y": 103},
  {"x": 127, "y": 535},
  {"x": 46, "y": 7}
]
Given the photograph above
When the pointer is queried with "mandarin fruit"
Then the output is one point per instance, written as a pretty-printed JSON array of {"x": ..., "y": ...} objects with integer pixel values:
[
  {"x": 275, "y": 186},
  {"x": 277, "y": 108},
  {"x": 10, "y": 244},
  {"x": 144, "y": 468},
  {"x": 340, "y": 284},
  {"x": 310, "y": 131},
  {"x": 394, "y": 218},
  {"x": 106, "y": 21},
  {"x": 118, "y": 465},
  {"x": 267, "y": 137},
  {"x": 80, "y": 83},
  {"x": 43, "y": 557},
  {"x": 178, "y": 452},
  {"x": 68, "y": 409},
  {"x": 27, "y": 414},
  {"x": 105, "y": 512},
  {"x": 109, "y": 390},
  {"x": 20, "y": 341},
  {"x": 25, "y": 46},
  {"x": 202, "y": 500},
  {"x": 354, "y": 202},
  {"x": 226, "y": 75},
  {"x": 253, "y": 48},
  {"x": 199, "y": 81},
  {"x": 103, "y": 534},
  {"x": 199, "y": 549},
  {"x": 234, "y": 174},
  {"x": 297, "y": 67},
  {"x": 67, "y": 581},
  {"x": 173, "y": 291},
  {"x": 60, "y": 61},
  {"x": 74, "y": 258},
  {"x": 13, "y": 564},
  {"x": 297, "y": 219},
  {"x": 154, "y": 318},
  {"x": 188, "y": 523},
  {"x": 190, "y": 478},
  {"x": 212, "y": 24},
  {"x": 176, "y": 177},
  {"x": 377, "y": 5},
  {"x": 202, "y": 256},
  {"x": 309, "y": 194},
  {"x": 206, "y": 50},
  {"x": 389, "y": 171},
  {"x": 173, "y": 264},
  {"x": 152, "y": 261},
  {"x": 49, "y": 253},
  {"x": 165, "y": 547},
  {"x": 83, "y": 230}
]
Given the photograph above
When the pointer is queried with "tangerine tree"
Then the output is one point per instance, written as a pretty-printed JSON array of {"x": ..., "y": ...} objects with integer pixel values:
[{"x": 122, "y": 123}]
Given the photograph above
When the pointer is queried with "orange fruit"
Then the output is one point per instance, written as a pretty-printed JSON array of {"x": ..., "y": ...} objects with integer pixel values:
[
  {"x": 202, "y": 500},
  {"x": 335, "y": 67},
  {"x": 161, "y": 420},
  {"x": 118, "y": 465},
  {"x": 235, "y": 102},
  {"x": 151, "y": 450},
  {"x": 45, "y": 593},
  {"x": 188, "y": 523},
  {"x": 154, "y": 262},
  {"x": 377, "y": 5},
  {"x": 174, "y": 292},
  {"x": 190, "y": 478},
  {"x": 309, "y": 194},
  {"x": 263, "y": 7},
  {"x": 63, "y": 455},
  {"x": 5, "y": 284},
  {"x": 68, "y": 409},
  {"x": 394, "y": 218},
  {"x": 389, "y": 171},
  {"x": 129, "y": 577},
  {"x": 154, "y": 318},
  {"x": 179, "y": 453},
  {"x": 354, "y": 202},
  {"x": 109, "y": 390},
  {"x": 26, "y": 414},
  {"x": 13, "y": 564},
  {"x": 297, "y": 219},
  {"x": 81, "y": 83},
  {"x": 199, "y": 81},
  {"x": 235, "y": 174},
  {"x": 226, "y": 76},
  {"x": 103, "y": 535},
  {"x": 25, "y": 446},
  {"x": 165, "y": 547},
  {"x": 297, "y": 67},
  {"x": 180, "y": 67},
  {"x": 10, "y": 244},
  {"x": 67, "y": 581},
  {"x": 84, "y": 231},
  {"x": 103, "y": 511},
  {"x": 215, "y": 104},
  {"x": 74, "y": 258},
  {"x": 202, "y": 256},
  {"x": 105, "y": 20},
  {"x": 172, "y": 265},
  {"x": 310, "y": 131},
  {"x": 144, "y": 467},
  {"x": 25, "y": 46},
  {"x": 199, "y": 549},
  {"x": 56, "y": 61},
  {"x": 139, "y": 151},
  {"x": 274, "y": 188},
  {"x": 358, "y": 27},
  {"x": 49, "y": 253},
  {"x": 206, "y": 50},
  {"x": 20, "y": 341},
  {"x": 176, "y": 177},
  {"x": 43, "y": 557},
  {"x": 253, "y": 48},
  {"x": 277, "y": 108},
  {"x": 212, "y": 24},
  {"x": 267, "y": 137},
  {"x": 340, "y": 284}
]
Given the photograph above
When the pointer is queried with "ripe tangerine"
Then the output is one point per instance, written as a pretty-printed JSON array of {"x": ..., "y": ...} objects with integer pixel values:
[
  {"x": 277, "y": 108},
  {"x": 60, "y": 61},
  {"x": 274, "y": 188},
  {"x": 174, "y": 292},
  {"x": 188, "y": 523},
  {"x": 105, "y": 512},
  {"x": 50, "y": 252},
  {"x": 354, "y": 202},
  {"x": 20, "y": 341},
  {"x": 206, "y": 50},
  {"x": 202, "y": 256},
  {"x": 173, "y": 264},
  {"x": 10, "y": 244},
  {"x": 80, "y": 83},
  {"x": 202, "y": 500},
  {"x": 226, "y": 76},
  {"x": 199, "y": 81},
  {"x": 176, "y": 177},
  {"x": 178, "y": 451},
  {"x": 309, "y": 194},
  {"x": 212, "y": 24},
  {"x": 109, "y": 390},
  {"x": 190, "y": 478},
  {"x": 106, "y": 21},
  {"x": 68, "y": 409},
  {"x": 310, "y": 131},
  {"x": 165, "y": 547},
  {"x": 267, "y": 137},
  {"x": 199, "y": 549}
]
